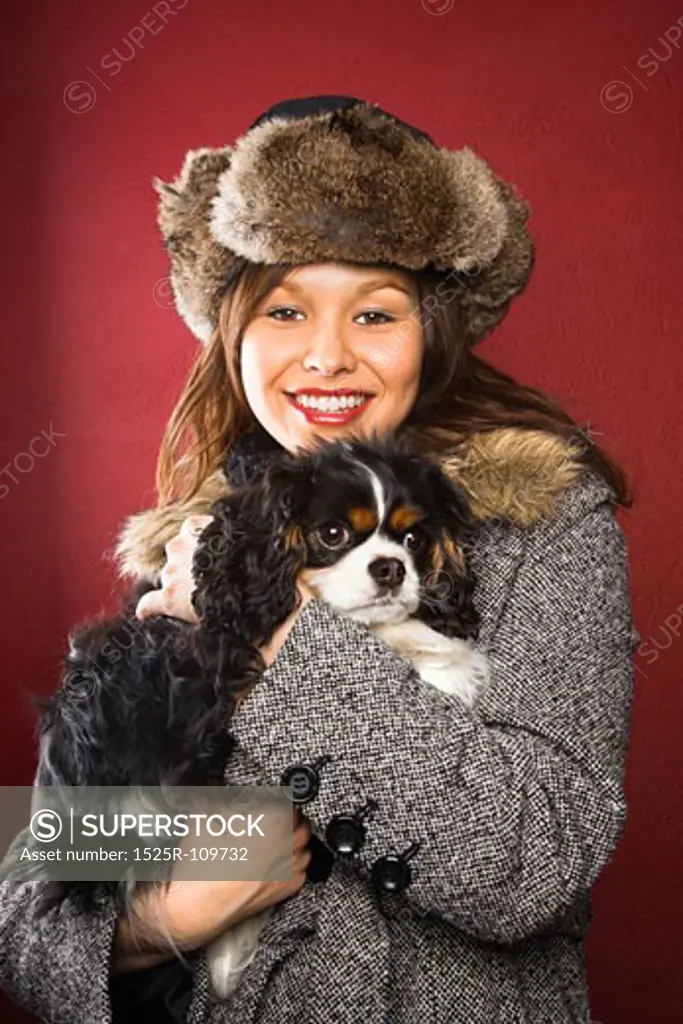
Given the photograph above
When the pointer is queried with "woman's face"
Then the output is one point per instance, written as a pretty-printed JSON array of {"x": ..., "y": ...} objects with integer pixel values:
[{"x": 332, "y": 352}]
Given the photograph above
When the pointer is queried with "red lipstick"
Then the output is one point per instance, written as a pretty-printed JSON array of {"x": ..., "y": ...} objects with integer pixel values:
[{"x": 329, "y": 417}]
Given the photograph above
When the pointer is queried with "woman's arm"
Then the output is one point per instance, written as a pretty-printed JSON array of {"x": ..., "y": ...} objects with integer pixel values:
[
  {"x": 56, "y": 965},
  {"x": 517, "y": 805}
]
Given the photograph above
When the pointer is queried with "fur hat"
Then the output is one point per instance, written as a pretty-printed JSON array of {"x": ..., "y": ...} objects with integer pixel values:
[{"x": 337, "y": 178}]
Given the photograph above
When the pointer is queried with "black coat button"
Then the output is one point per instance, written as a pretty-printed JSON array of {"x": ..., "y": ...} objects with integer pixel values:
[
  {"x": 391, "y": 873},
  {"x": 304, "y": 781},
  {"x": 345, "y": 834}
]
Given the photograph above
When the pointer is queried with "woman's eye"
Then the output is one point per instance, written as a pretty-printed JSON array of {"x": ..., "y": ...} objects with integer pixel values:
[
  {"x": 282, "y": 314},
  {"x": 384, "y": 317},
  {"x": 414, "y": 540},
  {"x": 282, "y": 309},
  {"x": 333, "y": 535}
]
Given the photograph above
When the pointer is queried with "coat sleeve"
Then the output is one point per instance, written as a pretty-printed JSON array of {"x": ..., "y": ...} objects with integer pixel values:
[
  {"x": 518, "y": 803},
  {"x": 56, "y": 965}
]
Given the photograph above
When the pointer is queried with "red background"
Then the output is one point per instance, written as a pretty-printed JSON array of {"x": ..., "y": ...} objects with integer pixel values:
[{"x": 91, "y": 350}]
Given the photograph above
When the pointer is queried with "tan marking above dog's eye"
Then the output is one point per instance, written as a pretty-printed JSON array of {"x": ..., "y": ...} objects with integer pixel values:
[
  {"x": 362, "y": 518},
  {"x": 403, "y": 517}
]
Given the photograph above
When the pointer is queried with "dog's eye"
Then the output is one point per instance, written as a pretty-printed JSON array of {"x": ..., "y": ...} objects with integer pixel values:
[
  {"x": 333, "y": 535},
  {"x": 414, "y": 540}
]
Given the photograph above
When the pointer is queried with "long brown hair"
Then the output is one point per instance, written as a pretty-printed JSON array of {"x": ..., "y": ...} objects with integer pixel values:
[{"x": 459, "y": 394}]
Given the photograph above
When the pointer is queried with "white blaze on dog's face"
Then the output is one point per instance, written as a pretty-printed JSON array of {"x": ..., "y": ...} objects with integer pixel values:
[{"x": 363, "y": 555}]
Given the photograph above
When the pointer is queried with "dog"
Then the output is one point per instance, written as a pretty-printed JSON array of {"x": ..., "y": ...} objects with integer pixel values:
[{"x": 376, "y": 530}]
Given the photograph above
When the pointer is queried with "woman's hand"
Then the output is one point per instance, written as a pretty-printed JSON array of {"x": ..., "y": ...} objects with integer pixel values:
[
  {"x": 194, "y": 913},
  {"x": 177, "y": 586},
  {"x": 177, "y": 582}
]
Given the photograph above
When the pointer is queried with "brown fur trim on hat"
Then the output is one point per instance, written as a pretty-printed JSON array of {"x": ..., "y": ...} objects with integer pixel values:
[
  {"x": 347, "y": 186},
  {"x": 511, "y": 473}
]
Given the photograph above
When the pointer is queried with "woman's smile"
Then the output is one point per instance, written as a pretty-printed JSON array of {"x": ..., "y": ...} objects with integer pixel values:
[{"x": 329, "y": 406}]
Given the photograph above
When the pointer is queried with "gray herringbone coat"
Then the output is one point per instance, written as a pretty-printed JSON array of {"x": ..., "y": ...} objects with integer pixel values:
[{"x": 518, "y": 805}]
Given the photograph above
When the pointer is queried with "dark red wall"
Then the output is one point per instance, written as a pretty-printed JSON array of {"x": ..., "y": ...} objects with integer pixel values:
[{"x": 566, "y": 100}]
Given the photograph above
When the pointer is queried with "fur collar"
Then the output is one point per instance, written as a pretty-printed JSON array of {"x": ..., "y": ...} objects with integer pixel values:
[{"x": 510, "y": 473}]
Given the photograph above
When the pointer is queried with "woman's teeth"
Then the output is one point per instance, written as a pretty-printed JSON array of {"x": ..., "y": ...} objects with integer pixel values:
[{"x": 330, "y": 404}]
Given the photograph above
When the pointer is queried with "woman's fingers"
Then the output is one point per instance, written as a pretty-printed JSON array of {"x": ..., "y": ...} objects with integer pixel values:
[
  {"x": 303, "y": 859},
  {"x": 302, "y": 836},
  {"x": 177, "y": 583},
  {"x": 186, "y": 538},
  {"x": 193, "y": 525},
  {"x": 150, "y": 604},
  {"x": 174, "y": 599}
]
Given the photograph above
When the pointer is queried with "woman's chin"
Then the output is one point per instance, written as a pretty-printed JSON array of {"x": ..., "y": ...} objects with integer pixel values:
[{"x": 310, "y": 433}]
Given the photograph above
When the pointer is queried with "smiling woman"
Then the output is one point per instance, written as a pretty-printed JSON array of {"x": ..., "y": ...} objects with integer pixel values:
[
  {"x": 288, "y": 335},
  {"x": 461, "y": 839},
  {"x": 324, "y": 322}
]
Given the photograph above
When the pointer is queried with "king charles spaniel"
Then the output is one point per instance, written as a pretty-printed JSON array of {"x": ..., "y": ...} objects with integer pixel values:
[{"x": 376, "y": 530}]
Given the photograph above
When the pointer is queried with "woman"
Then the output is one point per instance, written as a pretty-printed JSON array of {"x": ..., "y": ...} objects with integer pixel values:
[{"x": 337, "y": 250}]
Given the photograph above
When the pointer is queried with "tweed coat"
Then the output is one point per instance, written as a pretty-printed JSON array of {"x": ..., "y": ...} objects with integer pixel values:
[{"x": 511, "y": 810}]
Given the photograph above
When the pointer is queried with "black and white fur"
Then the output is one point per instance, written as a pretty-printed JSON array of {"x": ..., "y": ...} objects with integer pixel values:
[
  {"x": 416, "y": 598},
  {"x": 377, "y": 531}
]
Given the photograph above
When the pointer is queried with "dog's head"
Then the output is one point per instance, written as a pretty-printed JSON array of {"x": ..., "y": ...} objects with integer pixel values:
[{"x": 376, "y": 530}]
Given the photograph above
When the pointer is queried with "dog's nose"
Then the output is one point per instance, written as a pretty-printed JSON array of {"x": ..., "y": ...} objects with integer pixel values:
[{"x": 389, "y": 572}]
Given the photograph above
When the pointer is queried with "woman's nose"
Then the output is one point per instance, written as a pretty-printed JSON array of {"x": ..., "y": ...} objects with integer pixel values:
[{"x": 328, "y": 352}]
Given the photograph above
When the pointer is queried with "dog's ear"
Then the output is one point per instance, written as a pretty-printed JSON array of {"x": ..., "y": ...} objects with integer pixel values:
[
  {"x": 249, "y": 556},
  {"x": 447, "y": 589},
  {"x": 72, "y": 723},
  {"x": 451, "y": 500}
]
